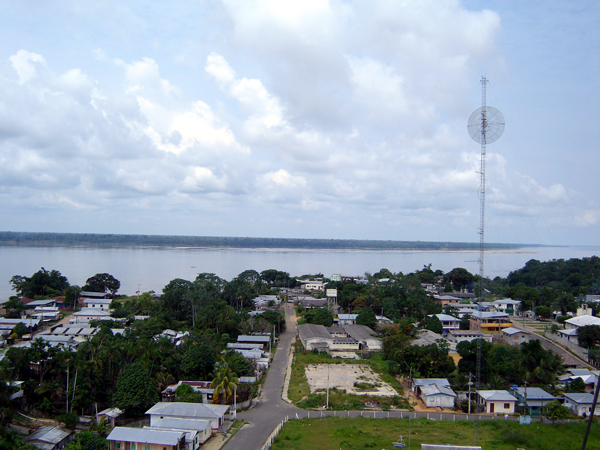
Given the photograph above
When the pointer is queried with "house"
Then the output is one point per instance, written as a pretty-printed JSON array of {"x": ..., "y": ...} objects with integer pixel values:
[
  {"x": 83, "y": 295},
  {"x": 570, "y": 334},
  {"x": 581, "y": 321},
  {"x": 507, "y": 305},
  {"x": 126, "y": 438},
  {"x": 102, "y": 304},
  {"x": 348, "y": 338},
  {"x": 382, "y": 320},
  {"x": 88, "y": 314},
  {"x": 311, "y": 302},
  {"x": 195, "y": 411},
  {"x": 109, "y": 415},
  {"x": 515, "y": 336},
  {"x": 588, "y": 377},
  {"x": 264, "y": 341},
  {"x": 448, "y": 322},
  {"x": 532, "y": 400},
  {"x": 347, "y": 319},
  {"x": 447, "y": 300},
  {"x": 49, "y": 438},
  {"x": 313, "y": 285},
  {"x": 584, "y": 310},
  {"x": 581, "y": 404},
  {"x": 197, "y": 432},
  {"x": 50, "y": 303},
  {"x": 458, "y": 336},
  {"x": 496, "y": 401},
  {"x": 176, "y": 337},
  {"x": 46, "y": 313},
  {"x": 489, "y": 321},
  {"x": 201, "y": 387},
  {"x": 435, "y": 392},
  {"x": 364, "y": 335}
]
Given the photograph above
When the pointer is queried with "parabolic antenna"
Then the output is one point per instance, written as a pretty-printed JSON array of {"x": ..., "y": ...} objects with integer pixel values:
[{"x": 486, "y": 125}]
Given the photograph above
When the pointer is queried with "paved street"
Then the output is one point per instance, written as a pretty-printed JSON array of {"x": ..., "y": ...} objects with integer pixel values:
[{"x": 271, "y": 409}]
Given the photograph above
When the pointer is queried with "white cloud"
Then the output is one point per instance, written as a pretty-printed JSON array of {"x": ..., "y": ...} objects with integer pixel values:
[
  {"x": 25, "y": 64},
  {"x": 280, "y": 107}
]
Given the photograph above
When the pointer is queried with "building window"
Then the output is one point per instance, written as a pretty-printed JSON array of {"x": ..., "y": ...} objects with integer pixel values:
[
  {"x": 147, "y": 447},
  {"x": 506, "y": 405},
  {"x": 118, "y": 445},
  {"x": 132, "y": 446}
]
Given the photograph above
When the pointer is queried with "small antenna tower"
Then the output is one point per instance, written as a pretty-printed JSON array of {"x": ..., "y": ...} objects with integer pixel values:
[{"x": 485, "y": 126}]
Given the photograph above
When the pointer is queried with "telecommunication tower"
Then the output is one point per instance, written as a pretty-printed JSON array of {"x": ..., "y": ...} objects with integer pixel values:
[{"x": 485, "y": 126}]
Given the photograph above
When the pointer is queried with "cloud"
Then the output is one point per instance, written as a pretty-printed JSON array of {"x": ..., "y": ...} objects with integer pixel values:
[{"x": 267, "y": 114}]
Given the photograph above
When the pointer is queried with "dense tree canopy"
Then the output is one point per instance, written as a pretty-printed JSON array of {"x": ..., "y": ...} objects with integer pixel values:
[
  {"x": 136, "y": 392},
  {"x": 366, "y": 316},
  {"x": 41, "y": 284},
  {"x": 102, "y": 282}
]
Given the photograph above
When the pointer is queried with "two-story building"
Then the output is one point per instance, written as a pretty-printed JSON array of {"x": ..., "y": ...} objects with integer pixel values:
[{"x": 489, "y": 321}]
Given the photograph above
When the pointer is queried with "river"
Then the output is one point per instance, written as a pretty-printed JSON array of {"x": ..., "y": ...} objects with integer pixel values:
[{"x": 151, "y": 268}]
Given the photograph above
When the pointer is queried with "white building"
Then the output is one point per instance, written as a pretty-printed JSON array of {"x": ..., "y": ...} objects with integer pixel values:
[
  {"x": 581, "y": 404},
  {"x": 195, "y": 411},
  {"x": 581, "y": 321}
]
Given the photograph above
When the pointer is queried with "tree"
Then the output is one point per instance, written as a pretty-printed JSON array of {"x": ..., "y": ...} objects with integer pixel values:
[
  {"x": 224, "y": 381},
  {"x": 102, "y": 282},
  {"x": 40, "y": 284},
  {"x": 366, "y": 316},
  {"x": 577, "y": 386},
  {"x": 87, "y": 440},
  {"x": 465, "y": 322},
  {"x": 543, "y": 311},
  {"x": 20, "y": 329},
  {"x": 186, "y": 394},
  {"x": 588, "y": 336},
  {"x": 322, "y": 316},
  {"x": 434, "y": 324},
  {"x": 136, "y": 392},
  {"x": 459, "y": 278},
  {"x": 72, "y": 295},
  {"x": 198, "y": 361},
  {"x": 555, "y": 411}
]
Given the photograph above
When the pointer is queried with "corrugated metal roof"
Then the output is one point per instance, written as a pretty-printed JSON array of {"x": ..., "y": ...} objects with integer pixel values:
[
  {"x": 127, "y": 434},
  {"x": 497, "y": 396},
  {"x": 183, "y": 424},
  {"x": 51, "y": 435},
  {"x": 189, "y": 410}
]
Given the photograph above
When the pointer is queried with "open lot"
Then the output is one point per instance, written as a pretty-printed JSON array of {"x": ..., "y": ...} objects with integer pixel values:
[{"x": 357, "y": 379}]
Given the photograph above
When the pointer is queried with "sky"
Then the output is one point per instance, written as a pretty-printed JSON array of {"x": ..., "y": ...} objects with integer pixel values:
[{"x": 300, "y": 119}]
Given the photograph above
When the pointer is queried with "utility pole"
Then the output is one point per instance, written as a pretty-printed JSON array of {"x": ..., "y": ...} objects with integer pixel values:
[{"x": 327, "y": 407}]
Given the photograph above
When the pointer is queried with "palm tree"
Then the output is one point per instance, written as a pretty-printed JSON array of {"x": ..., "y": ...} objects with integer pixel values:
[{"x": 224, "y": 381}]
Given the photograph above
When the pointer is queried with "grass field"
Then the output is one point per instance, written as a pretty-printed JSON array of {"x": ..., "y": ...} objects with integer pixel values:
[
  {"x": 299, "y": 388},
  {"x": 342, "y": 433}
]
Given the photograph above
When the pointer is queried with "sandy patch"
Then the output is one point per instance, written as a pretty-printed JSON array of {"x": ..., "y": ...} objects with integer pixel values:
[{"x": 346, "y": 376}]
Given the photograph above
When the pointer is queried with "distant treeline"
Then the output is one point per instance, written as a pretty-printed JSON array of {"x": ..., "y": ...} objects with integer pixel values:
[{"x": 77, "y": 239}]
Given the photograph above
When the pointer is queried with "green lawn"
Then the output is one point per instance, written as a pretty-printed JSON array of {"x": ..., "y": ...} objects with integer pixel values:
[
  {"x": 343, "y": 433},
  {"x": 299, "y": 388}
]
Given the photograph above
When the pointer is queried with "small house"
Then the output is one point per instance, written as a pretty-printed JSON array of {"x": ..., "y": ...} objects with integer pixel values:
[
  {"x": 532, "y": 400},
  {"x": 515, "y": 336},
  {"x": 127, "y": 438},
  {"x": 581, "y": 404},
  {"x": 196, "y": 411},
  {"x": 496, "y": 401},
  {"x": 49, "y": 438}
]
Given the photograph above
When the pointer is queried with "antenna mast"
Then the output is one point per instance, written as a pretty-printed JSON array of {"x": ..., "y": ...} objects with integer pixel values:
[{"x": 485, "y": 125}]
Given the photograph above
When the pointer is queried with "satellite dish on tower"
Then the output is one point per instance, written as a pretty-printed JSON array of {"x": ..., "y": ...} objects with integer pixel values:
[{"x": 486, "y": 125}]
